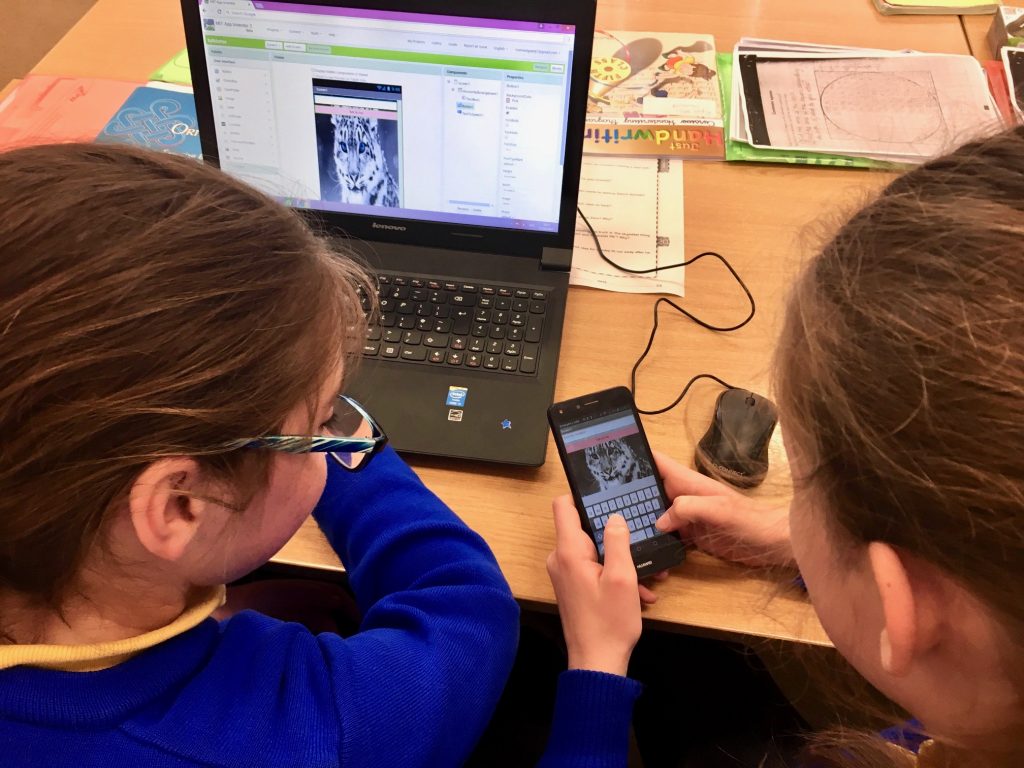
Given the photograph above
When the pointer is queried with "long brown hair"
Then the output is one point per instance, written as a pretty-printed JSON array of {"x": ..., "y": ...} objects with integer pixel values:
[
  {"x": 900, "y": 373},
  {"x": 150, "y": 306}
]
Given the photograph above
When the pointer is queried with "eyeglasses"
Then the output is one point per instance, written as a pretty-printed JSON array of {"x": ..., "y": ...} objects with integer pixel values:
[{"x": 352, "y": 437}]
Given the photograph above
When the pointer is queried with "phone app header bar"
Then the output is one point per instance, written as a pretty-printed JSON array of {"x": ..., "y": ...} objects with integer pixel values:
[{"x": 601, "y": 431}]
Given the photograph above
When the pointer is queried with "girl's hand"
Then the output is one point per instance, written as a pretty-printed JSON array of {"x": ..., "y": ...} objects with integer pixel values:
[
  {"x": 721, "y": 521},
  {"x": 599, "y": 605}
]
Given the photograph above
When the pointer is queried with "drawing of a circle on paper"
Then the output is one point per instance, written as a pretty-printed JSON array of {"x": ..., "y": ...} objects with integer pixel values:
[{"x": 882, "y": 106}]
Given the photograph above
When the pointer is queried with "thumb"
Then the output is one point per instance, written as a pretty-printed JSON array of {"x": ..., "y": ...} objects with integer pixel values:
[
  {"x": 618, "y": 560},
  {"x": 686, "y": 510}
]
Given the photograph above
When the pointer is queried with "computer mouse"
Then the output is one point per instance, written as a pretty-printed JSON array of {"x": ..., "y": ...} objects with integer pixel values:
[{"x": 735, "y": 447}]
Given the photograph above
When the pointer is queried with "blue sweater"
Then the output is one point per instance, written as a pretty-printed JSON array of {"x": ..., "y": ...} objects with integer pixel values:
[
  {"x": 415, "y": 686},
  {"x": 593, "y": 711}
]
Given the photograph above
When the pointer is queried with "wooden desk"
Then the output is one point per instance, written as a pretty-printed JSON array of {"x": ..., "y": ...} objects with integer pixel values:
[
  {"x": 7, "y": 89},
  {"x": 756, "y": 216}
]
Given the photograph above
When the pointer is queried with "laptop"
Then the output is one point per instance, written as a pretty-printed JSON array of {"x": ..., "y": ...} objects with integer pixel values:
[{"x": 444, "y": 141}]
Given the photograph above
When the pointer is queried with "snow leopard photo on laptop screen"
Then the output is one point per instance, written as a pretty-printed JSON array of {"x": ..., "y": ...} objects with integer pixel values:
[{"x": 357, "y": 141}]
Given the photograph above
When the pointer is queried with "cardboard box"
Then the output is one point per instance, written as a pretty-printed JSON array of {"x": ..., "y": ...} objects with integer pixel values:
[{"x": 1007, "y": 29}]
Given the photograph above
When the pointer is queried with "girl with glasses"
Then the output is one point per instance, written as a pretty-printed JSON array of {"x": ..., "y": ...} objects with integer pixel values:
[{"x": 172, "y": 346}]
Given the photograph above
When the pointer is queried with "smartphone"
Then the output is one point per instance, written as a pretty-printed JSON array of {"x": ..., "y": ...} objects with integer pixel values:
[{"x": 611, "y": 470}]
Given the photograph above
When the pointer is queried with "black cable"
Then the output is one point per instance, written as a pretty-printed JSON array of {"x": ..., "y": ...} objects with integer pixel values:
[
  {"x": 660, "y": 301},
  {"x": 674, "y": 403},
  {"x": 698, "y": 257}
]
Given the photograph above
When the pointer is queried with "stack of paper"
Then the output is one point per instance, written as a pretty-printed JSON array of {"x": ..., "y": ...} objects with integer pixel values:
[
  {"x": 654, "y": 97},
  {"x": 882, "y": 106},
  {"x": 951, "y": 7}
]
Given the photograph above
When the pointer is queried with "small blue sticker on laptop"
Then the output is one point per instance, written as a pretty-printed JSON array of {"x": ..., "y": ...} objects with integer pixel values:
[{"x": 457, "y": 396}]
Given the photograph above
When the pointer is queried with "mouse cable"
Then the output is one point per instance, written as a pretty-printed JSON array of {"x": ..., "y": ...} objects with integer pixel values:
[
  {"x": 660, "y": 301},
  {"x": 650, "y": 343}
]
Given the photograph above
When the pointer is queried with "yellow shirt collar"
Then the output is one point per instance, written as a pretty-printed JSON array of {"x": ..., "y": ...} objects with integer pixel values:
[
  {"x": 95, "y": 656},
  {"x": 932, "y": 755},
  {"x": 929, "y": 755}
]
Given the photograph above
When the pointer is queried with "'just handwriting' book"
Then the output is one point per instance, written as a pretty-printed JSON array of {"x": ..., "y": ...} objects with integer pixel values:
[
  {"x": 654, "y": 93},
  {"x": 159, "y": 118}
]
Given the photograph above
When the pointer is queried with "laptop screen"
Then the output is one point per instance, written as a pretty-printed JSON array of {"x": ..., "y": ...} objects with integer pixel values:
[{"x": 437, "y": 118}]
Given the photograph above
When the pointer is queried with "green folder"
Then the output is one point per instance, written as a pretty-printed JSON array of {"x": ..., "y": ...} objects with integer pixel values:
[
  {"x": 943, "y": 6},
  {"x": 175, "y": 71},
  {"x": 740, "y": 151},
  {"x": 942, "y": 3}
]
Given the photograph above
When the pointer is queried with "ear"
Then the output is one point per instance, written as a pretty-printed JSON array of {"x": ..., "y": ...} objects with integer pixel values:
[
  {"x": 163, "y": 508},
  {"x": 911, "y": 618}
]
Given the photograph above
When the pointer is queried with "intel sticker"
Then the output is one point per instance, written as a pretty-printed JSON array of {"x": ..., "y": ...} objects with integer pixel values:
[{"x": 457, "y": 396}]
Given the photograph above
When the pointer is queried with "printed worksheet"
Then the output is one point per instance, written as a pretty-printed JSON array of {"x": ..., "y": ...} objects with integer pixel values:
[
  {"x": 903, "y": 106},
  {"x": 636, "y": 207}
]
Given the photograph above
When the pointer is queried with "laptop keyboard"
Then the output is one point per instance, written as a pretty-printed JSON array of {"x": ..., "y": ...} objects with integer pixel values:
[
  {"x": 639, "y": 508},
  {"x": 457, "y": 324}
]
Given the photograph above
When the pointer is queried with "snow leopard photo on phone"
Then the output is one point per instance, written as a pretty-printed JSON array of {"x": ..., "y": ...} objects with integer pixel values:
[{"x": 608, "y": 465}]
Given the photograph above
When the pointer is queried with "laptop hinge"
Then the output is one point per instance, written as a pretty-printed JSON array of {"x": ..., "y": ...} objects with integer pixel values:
[{"x": 556, "y": 258}]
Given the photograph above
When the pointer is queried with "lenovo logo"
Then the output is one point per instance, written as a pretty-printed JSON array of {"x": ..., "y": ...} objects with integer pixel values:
[{"x": 390, "y": 227}]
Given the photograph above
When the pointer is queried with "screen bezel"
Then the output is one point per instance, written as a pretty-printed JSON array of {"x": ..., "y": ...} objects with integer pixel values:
[
  {"x": 516, "y": 242},
  {"x": 593, "y": 405}
]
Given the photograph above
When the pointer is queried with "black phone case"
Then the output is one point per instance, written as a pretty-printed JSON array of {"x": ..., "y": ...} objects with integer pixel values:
[{"x": 652, "y": 555}]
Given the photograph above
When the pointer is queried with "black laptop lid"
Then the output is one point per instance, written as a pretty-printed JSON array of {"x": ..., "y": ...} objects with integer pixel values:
[{"x": 457, "y": 123}]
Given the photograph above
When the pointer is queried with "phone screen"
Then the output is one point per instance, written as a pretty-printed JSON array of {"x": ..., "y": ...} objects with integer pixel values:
[{"x": 614, "y": 473}]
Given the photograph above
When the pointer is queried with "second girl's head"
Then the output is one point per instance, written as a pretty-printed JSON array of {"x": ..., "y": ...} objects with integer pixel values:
[
  {"x": 152, "y": 310},
  {"x": 901, "y": 387}
]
